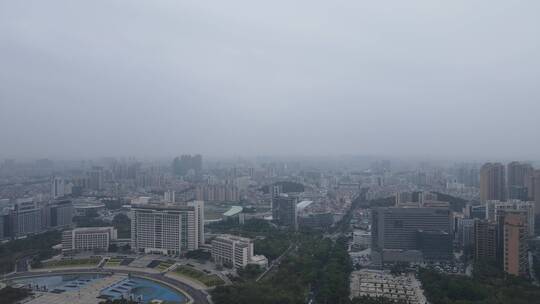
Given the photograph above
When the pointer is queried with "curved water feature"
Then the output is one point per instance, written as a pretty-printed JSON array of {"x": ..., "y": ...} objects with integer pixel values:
[
  {"x": 129, "y": 287},
  {"x": 60, "y": 283},
  {"x": 139, "y": 288}
]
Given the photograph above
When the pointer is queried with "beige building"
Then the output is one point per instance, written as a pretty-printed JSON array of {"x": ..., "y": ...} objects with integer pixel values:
[
  {"x": 515, "y": 244},
  {"x": 494, "y": 209}
]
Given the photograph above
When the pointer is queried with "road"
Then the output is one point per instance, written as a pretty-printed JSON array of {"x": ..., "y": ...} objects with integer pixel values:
[
  {"x": 276, "y": 262},
  {"x": 198, "y": 296}
]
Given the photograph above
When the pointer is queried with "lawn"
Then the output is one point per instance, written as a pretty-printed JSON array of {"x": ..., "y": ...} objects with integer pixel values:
[
  {"x": 208, "y": 280},
  {"x": 114, "y": 262},
  {"x": 164, "y": 265}
]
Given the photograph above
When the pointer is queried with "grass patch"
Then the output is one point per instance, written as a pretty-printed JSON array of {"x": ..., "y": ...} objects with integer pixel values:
[
  {"x": 207, "y": 279},
  {"x": 164, "y": 265},
  {"x": 114, "y": 262},
  {"x": 11, "y": 295}
]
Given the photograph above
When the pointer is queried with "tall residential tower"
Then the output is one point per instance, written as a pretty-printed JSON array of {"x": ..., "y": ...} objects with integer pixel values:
[{"x": 492, "y": 182}]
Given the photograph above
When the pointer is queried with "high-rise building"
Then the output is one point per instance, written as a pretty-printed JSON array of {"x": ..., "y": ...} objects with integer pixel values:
[
  {"x": 403, "y": 198},
  {"x": 485, "y": 234},
  {"x": 185, "y": 164},
  {"x": 276, "y": 190},
  {"x": 396, "y": 229},
  {"x": 233, "y": 250},
  {"x": 87, "y": 239},
  {"x": 466, "y": 234},
  {"x": 515, "y": 244},
  {"x": 467, "y": 174},
  {"x": 57, "y": 214},
  {"x": 495, "y": 209},
  {"x": 284, "y": 208},
  {"x": 25, "y": 218},
  {"x": 533, "y": 189},
  {"x": 435, "y": 245},
  {"x": 169, "y": 196},
  {"x": 57, "y": 187},
  {"x": 165, "y": 228},
  {"x": 517, "y": 179},
  {"x": 95, "y": 179},
  {"x": 199, "y": 209},
  {"x": 492, "y": 182},
  {"x": 4, "y": 225},
  {"x": 217, "y": 193}
]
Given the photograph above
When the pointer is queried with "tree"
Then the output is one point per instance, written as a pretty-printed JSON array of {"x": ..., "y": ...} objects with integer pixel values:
[
  {"x": 250, "y": 272},
  {"x": 10, "y": 295},
  {"x": 36, "y": 247}
]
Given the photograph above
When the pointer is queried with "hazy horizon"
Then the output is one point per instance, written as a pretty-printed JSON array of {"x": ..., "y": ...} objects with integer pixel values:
[{"x": 434, "y": 79}]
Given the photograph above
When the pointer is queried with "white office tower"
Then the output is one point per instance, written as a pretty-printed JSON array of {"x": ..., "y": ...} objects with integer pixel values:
[
  {"x": 199, "y": 207},
  {"x": 25, "y": 217},
  {"x": 88, "y": 239},
  {"x": 233, "y": 250},
  {"x": 164, "y": 228},
  {"x": 169, "y": 196},
  {"x": 57, "y": 187}
]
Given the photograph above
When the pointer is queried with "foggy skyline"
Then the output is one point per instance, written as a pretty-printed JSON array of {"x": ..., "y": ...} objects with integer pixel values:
[{"x": 160, "y": 78}]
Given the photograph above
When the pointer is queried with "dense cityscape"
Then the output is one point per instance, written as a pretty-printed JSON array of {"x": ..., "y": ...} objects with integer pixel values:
[
  {"x": 269, "y": 152},
  {"x": 269, "y": 230}
]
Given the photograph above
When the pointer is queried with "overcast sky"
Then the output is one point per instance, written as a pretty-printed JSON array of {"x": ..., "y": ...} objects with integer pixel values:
[{"x": 145, "y": 78}]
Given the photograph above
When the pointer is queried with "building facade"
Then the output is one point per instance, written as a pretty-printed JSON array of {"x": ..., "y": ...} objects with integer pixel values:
[
  {"x": 57, "y": 187},
  {"x": 88, "y": 239},
  {"x": 235, "y": 251},
  {"x": 284, "y": 210},
  {"x": 396, "y": 230},
  {"x": 166, "y": 228},
  {"x": 517, "y": 180},
  {"x": 515, "y": 244},
  {"x": 485, "y": 245},
  {"x": 60, "y": 214},
  {"x": 217, "y": 193},
  {"x": 492, "y": 182},
  {"x": 533, "y": 189},
  {"x": 26, "y": 218},
  {"x": 495, "y": 208}
]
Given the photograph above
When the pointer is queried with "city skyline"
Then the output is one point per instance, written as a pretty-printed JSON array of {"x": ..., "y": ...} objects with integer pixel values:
[{"x": 240, "y": 152}]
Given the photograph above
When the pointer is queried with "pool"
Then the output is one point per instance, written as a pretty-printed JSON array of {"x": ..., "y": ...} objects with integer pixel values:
[
  {"x": 60, "y": 283},
  {"x": 145, "y": 289}
]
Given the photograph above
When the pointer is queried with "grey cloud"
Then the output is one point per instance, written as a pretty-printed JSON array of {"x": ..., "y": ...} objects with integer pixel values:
[{"x": 157, "y": 78}]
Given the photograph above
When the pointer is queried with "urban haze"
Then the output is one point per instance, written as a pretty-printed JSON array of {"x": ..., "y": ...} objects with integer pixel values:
[
  {"x": 269, "y": 152},
  {"x": 150, "y": 78}
]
